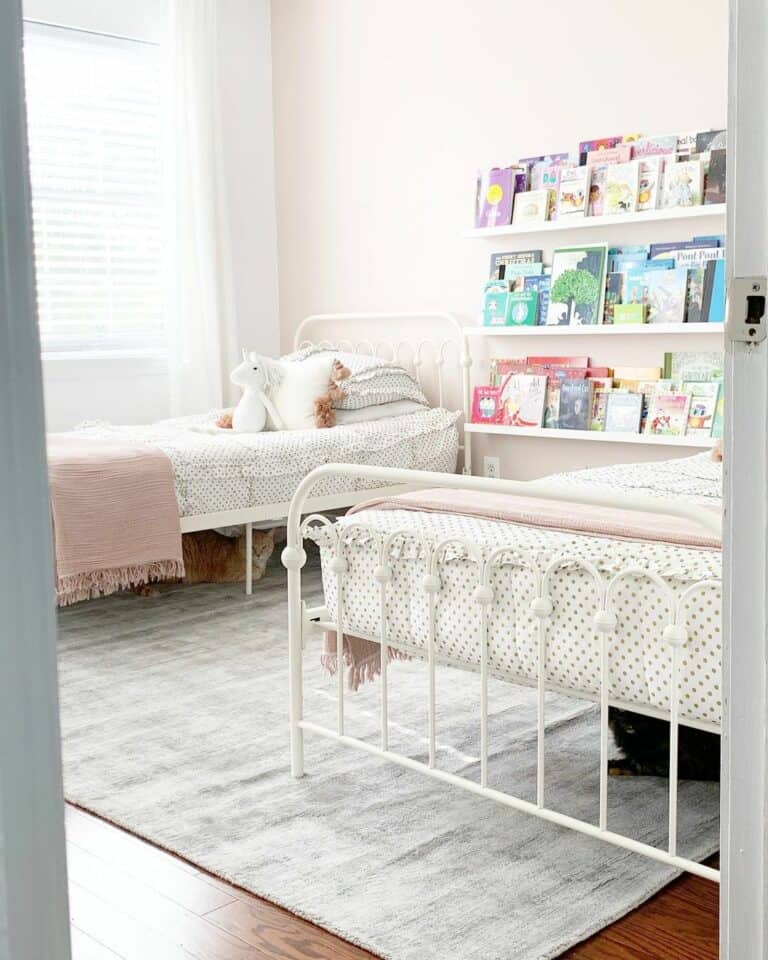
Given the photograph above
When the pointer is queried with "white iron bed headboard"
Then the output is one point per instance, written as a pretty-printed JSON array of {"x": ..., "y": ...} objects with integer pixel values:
[{"x": 431, "y": 344}]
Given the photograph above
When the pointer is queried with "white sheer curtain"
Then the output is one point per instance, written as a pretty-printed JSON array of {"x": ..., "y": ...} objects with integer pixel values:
[{"x": 202, "y": 328}]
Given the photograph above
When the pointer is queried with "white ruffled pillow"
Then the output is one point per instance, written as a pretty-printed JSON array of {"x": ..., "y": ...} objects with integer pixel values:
[{"x": 301, "y": 384}]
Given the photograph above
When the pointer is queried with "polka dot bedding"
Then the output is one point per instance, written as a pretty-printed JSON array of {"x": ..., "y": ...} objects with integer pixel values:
[
  {"x": 639, "y": 659},
  {"x": 216, "y": 470}
]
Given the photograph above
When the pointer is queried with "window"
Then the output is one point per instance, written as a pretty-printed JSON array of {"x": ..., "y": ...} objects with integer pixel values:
[{"x": 95, "y": 137}]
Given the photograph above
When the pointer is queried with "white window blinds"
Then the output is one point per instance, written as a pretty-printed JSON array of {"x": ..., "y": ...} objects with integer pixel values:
[{"x": 95, "y": 136}]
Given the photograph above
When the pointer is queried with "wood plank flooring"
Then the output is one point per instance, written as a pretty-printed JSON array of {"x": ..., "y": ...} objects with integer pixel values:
[{"x": 130, "y": 900}]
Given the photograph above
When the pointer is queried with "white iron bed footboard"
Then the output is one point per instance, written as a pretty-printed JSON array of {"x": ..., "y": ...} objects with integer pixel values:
[{"x": 674, "y": 633}]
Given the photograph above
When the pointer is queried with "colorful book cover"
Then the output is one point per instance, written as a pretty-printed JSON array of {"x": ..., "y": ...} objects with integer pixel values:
[
  {"x": 541, "y": 285},
  {"x": 521, "y": 176},
  {"x": 672, "y": 248},
  {"x": 680, "y": 366},
  {"x": 598, "y": 176},
  {"x": 515, "y": 273},
  {"x": 501, "y": 367},
  {"x": 534, "y": 206},
  {"x": 595, "y": 146},
  {"x": 551, "y": 362},
  {"x": 686, "y": 144},
  {"x": 716, "y": 311},
  {"x": 629, "y": 313},
  {"x": 697, "y": 256},
  {"x": 523, "y": 397},
  {"x": 714, "y": 188},
  {"x": 495, "y": 303},
  {"x": 621, "y": 153},
  {"x": 683, "y": 182},
  {"x": 486, "y": 405},
  {"x": 654, "y": 146},
  {"x": 598, "y": 406},
  {"x": 572, "y": 192},
  {"x": 578, "y": 285},
  {"x": 623, "y": 412},
  {"x": 650, "y": 174},
  {"x": 621, "y": 185},
  {"x": 701, "y": 415},
  {"x": 495, "y": 190},
  {"x": 621, "y": 262},
  {"x": 574, "y": 407},
  {"x": 668, "y": 414},
  {"x": 694, "y": 297},
  {"x": 521, "y": 309},
  {"x": 636, "y": 284},
  {"x": 614, "y": 285},
  {"x": 499, "y": 260},
  {"x": 556, "y": 376},
  {"x": 666, "y": 290},
  {"x": 708, "y": 140}
]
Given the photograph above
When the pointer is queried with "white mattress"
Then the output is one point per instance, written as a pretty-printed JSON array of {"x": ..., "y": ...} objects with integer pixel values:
[
  {"x": 228, "y": 471},
  {"x": 639, "y": 660}
]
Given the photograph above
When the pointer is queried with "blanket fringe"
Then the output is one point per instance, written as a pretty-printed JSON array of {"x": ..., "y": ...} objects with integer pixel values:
[
  {"x": 100, "y": 583},
  {"x": 360, "y": 670}
]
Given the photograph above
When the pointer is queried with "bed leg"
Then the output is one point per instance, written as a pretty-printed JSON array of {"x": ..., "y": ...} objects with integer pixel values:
[
  {"x": 249, "y": 559},
  {"x": 295, "y": 657}
]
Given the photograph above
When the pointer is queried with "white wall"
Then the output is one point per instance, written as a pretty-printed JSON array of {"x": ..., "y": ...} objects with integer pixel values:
[
  {"x": 136, "y": 390},
  {"x": 385, "y": 109}
]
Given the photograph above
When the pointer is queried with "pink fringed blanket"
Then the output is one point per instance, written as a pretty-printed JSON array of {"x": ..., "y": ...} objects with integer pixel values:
[
  {"x": 115, "y": 516},
  {"x": 362, "y": 656}
]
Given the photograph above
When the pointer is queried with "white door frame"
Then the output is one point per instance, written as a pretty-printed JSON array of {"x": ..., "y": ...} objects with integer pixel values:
[
  {"x": 34, "y": 917},
  {"x": 744, "y": 896}
]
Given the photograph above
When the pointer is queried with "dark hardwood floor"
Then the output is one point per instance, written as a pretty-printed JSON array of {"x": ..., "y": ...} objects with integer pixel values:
[{"x": 130, "y": 900}]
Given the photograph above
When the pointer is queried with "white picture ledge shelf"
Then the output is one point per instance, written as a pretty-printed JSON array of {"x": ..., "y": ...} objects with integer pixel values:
[
  {"x": 701, "y": 443},
  {"x": 597, "y": 223},
  {"x": 600, "y": 330}
]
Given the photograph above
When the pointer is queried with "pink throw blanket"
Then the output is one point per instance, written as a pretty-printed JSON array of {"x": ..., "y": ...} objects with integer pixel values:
[
  {"x": 362, "y": 656},
  {"x": 115, "y": 516}
]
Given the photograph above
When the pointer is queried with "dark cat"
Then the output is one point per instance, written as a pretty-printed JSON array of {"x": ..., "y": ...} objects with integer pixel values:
[{"x": 644, "y": 741}]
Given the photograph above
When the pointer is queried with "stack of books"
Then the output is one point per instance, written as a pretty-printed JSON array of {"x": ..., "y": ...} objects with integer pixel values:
[
  {"x": 682, "y": 398},
  {"x": 676, "y": 282},
  {"x": 609, "y": 176}
]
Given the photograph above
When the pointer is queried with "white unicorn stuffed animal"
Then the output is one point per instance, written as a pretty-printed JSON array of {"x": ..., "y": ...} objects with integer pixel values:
[{"x": 257, "y": 376}]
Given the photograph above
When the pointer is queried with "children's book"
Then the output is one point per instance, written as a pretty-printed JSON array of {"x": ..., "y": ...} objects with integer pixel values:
[
  {"x": 714, "y": 188},
  {"x": 578, "y": 285},
  {"x": 523, "y": 397},
  {"x": 486, "y": 405},
  {"x": 541, "y": 285},
  {"x": 555, "y": 379},
  {"x": 680, "y": 366},
  {"x": 650, "y": 173},
  {"x": 621, "y": 185},
  {"x": 621, "y": 153},
  {"x": 636, "y": 284},
  {"x": 697, "y": 256},
  {"x": 597, "y": 407},
  {"x": 654, "y": 146},
  {"x": 683, "y": 182},
  {"x": 521, "y": 176},
  {"x": 622, "y": 412},
  {"x": 714, "y": 291},
  {"x": 666, "y": 291},
  {"x": 552, "y": 362},
  {"x": 686, "y": 144},
  {"x": 534, "y": 206},
  {"x": 495, "y": 190},
  {"x": 694, "y": 297},
  {"x": 598, "y": 176},
  {"x": 574, "y": 407},
  {"x": 614, "y": 284},
  {"x": 630, "y": 313},
  {"x": 711, "y": 140},
  {"x": 522, "y": 308},
  {"x": 573, "y": 192},
  {"x": 701, "y": 415},
  {"x": 672, "y": 248},
  {"x": 495, "y": 303},
  {"x": 501, "y": 367},
  {"x": 595, "y": 146},
  {"x": 515, "y": 273},
  {"x": 499, "y": 260},
  {"x": 668, "y": 414}
]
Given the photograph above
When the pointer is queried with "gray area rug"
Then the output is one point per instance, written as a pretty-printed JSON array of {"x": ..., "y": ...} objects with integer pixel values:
[{"x": 174, "y": 725}]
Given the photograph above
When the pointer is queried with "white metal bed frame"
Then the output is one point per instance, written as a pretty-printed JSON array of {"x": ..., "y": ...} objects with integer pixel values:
[
  {"x": 420, "y": 353},
  {"x": 304, "y": 620}
]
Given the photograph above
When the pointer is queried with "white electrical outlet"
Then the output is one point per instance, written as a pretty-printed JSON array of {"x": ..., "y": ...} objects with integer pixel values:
[{"x": 491, "y": 467}]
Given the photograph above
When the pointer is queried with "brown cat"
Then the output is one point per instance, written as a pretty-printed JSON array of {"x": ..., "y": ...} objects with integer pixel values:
[{"x": 210, "y": 557}]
